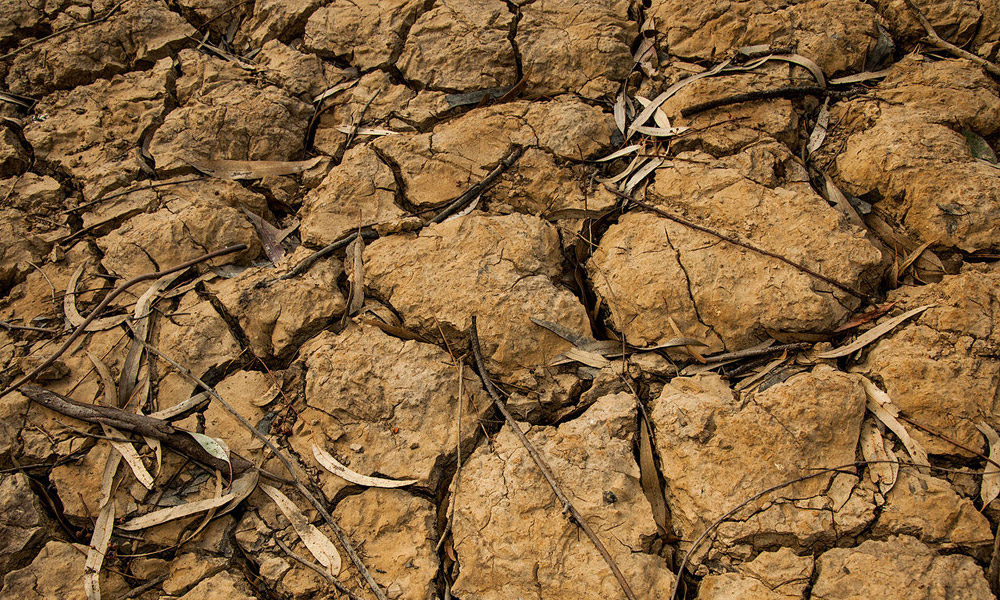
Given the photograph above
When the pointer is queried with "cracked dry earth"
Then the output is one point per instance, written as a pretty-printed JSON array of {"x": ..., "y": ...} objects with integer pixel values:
[{"x": 629, "y": 341}]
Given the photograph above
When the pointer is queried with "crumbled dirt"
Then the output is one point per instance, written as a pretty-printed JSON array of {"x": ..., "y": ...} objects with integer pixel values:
[{"x": 661, "y": 324}]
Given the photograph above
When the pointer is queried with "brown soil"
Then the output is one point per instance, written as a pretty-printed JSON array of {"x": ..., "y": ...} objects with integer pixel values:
[{"x": 661, "y": 325}]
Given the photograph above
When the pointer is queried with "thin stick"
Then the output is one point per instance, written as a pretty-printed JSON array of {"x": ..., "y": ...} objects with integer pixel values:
[
  {"x": 127, "y": 192},
  {"x": 937, "y": 40},
  {"x": 753, "y": 353},
  {"x": 954, "y": 443},
  {"x": 324, "y": 573},
  {"x": 104, "y": 304},
  {"x": 346, "y": 543},
  {"x": 100, "y": 19},
  {"x": 470, "y": 194},
  {"x": 543, "y": 466},
  {"x": 357, "y": 122},
  {"x": 12, "y": 327},
  {"x": 736, "y": 242},
  {"x": 138, "y": 591},
  {"x": 315, "y": 256}
]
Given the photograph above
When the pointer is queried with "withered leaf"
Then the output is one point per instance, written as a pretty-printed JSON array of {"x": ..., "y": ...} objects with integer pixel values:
[
  {"x": 334, "y": 466},
  {"x": 880, "y": 405},
  {"x": 253, "y": 169},
  {"x": 873, "y": 334},
  {"x": 991, "y": 477},
  {"x": 318, "y": 544}
]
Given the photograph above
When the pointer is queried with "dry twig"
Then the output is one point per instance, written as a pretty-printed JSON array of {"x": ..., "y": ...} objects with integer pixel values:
[
  {"x": 543, "y": 466},
  {"x": 937, "y": 40},
  {"x": 476, "y": 189},
  {"x": 100, "y": 19}
]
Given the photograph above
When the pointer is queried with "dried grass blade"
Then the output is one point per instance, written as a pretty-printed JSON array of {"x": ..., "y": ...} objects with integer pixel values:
[
  {"x": 873, "y": 334},
  {"x": 885, "y": 411},
  {"x": 165, "y": 515},
  {"x": 991, "y": 478},
  {"x": 98, "y": 548},
  {"x": 334, "y": 466},
  {"x": 880, "y": 469},
  {"x": 336, "y": 89},
  {"x": 253, "y": 169},
  {"x": 318, "y": 544},
  {"x": 73, "y": 315}
]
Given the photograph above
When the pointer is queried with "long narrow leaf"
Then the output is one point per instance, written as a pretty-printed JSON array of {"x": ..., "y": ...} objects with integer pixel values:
[
  {"x": 334, "y": 466},
  {"x": 318, "y": 544}
]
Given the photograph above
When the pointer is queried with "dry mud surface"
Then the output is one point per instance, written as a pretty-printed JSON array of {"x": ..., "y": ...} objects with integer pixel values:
[{"x": 663, "y": 326}]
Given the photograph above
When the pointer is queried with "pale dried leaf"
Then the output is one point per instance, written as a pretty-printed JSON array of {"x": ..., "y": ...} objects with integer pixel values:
[
  {"x": 991, "y": 477},
  {"x": 636, "y": 161},
  {"x": 336, "y": 89},
  {"x": 833, "y": 194},
  {"x": 630, "y": 149},
  {"x": 180, "y": 408},
  {"x": 859, "y": 77},
  {"x": 641, "y": 174},
  {"x": 818, "y": 134},
  {"x": 213, "y": 446},
  {"x": 73, "y": 316},
  {"x": 355, "y": 254},
  {"x": 98, "y": 548},
  {"x": 318, "y": 544},
  {"x": 808, "y": 63},
  {"x": 334, "y": 466},
  {"x": 373, "y": 131},
  {"x": 873, "y": 334},
  {"x": 562, "y": 331},
  {"x": 660, "y": 131},
  {"x": 468, "y": 209},
  {"x": 591, "y": 359},
  {"x": 165, "y": 515},
  {"x": 880, "y": 469},
  {"x": 649, "y": 477},
  {"x": 130, "y": 368},
  {"x": 657, "y": 102},
  {"x": 882, "y": 407},
  {"x": 241, "y": 489},
  {"x": 619, "y": 113},
  {"x": 659, "y": 117},
  {"x": 253, "y": 169}
]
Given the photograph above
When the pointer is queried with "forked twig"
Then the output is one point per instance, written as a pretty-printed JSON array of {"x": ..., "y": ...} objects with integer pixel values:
[
  {"x": 937, "y": 40},
  {"x": 119, "y": 289},
  {"x": 543, "y": 466}
]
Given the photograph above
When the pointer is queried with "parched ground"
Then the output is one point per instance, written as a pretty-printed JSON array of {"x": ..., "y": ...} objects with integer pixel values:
[{"x": 755, "y": 341}]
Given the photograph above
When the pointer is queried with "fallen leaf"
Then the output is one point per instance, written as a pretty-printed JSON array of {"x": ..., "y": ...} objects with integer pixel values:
[
  {"x": 73, "y": 316},
  {"x": 650, "y": 478},
  {"x": 659, "y": 117},
  {"x": 881, "y": 469},
  {"x": 253, "y": 169},
  {"x": 991, "y": 477},
  {"x": 980, "y": 147},
  {"x": 334, "y": 466},
  {"x": 213, "y": 446},
  {"x": 657, "y": 102},
  {"x": 165, "y": 515},
  {"x": 618, "y": 112},
  {"x": 873, "y": 334},
  {"x": 859, "y": 77},
  {"x": 373, "y": 131},
  {"x": 641, "y": 174},
  {"x": 318, "y": 544},
  {"x": 818, "y": 134},
  {"x": 631, "y": 149},
  {"x": 97, "y": 550},
  {"x": 865, "y": 317},
  {"x": 336, "y": 89},
  {"x": 355, "y": 254},
  {"x": 591, "y": 359},
  {"x": 268, "y": 235},
  {"x": 880, "y": 405}
]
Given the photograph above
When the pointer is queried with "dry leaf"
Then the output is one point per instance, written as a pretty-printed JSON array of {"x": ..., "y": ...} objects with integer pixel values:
[
  {"x": 268, "y": 235},
  {"x": 657, "y": 102},
  {"x": 635, "y": 162},
  {"x": 73, "y": 316},
  {"x": 881, "y": 471},
  {"x": 374, "y": 131},
  {"x": 659, "y": 117},
  {"x": 98, "y": 548},
  {"x": 253, "y": 169},
  {"x": 631, "y": 149},
  {"x": 873, "y": 334},
  {"x": 979, "y": 147},
  {"x": 336, "y": 89},
  {"x": 650, "y": 478},
  {"x": 885, "y": 411},
  {"x": 818, "y": 134},
  {"x": 641, "y": 174},
  {"x": 129, "y": 375},
  {"x": 591, "y": 359},
  {"x": 619, "y": 112},
  {"x": 213, "y": 446},
  {"x": 913, "y": 256},
  {"x": 318, "y": 544},
  {"x": 859, "y": 77},
  {"x": 991, "y": 477},
  {"x": 158, "y": 517},
  {"x": 334, "y": 466},
  {"x": 355, "y": 254},
  {"x": 833, "y": 194},
  {"x": 865, "y": 317},
  {"x": 660, "y": 131}
]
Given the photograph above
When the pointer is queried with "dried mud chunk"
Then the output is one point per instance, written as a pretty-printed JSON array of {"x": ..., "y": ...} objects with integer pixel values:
[
  {"x": 501, "y": 491},
  {"x": 499, "y": 268},
  {"x": 649, "y": 269},
  {"x": 224, "y": 586},
  {"x": 576, "y": 46},
  {"x": 57, "y": 574},
  {"x": 303, "y": 75},
  {"x": 33, "y": 194},
  {"x": 900, "y": 568},
  {"x": 13, "y": 157},
  {"x": 223, "y": 115},
  {"x": 17, "y": 16},
  {"x": 908, "y": 150},
  {"x": 929, "y": 508},
  {"x": 18, "y": 245},
  {"x": 439, "y": 166},
  {"x": 837, "y": 34},
  {"x": 361, "y": 190},
  {"x": 954, "y": 20},
  {"x": 779, "y": 575},
  {"x": 276, "y": 19},
  {"x": 367, "y": 33},
  {"x": 278, "y": 315},
  {"x": 139, "y": 32},
  {"x": 94, "y": 132},
  {"x": 461, "y": 45},
  {"x": 23, "y": 524},
  {"x": 382, "y": 406},
  {"x": 716, "y": 451},
  {"x": 399, "y": 534},
  {"x": 941, "y": 368}
]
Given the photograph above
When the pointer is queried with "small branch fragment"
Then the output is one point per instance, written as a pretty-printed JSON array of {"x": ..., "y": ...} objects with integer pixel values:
[{"x": 937, "y": 40}]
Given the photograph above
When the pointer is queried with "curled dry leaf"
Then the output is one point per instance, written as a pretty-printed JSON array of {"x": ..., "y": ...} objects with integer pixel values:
[
  {"x": 818, "y": 134},
  {"x": 73, "y": 316},
  {"x": 880, "y": 405},
  {"x": 881, "y": 471},
  {"x": 837, "y": 197},
  {"x": 334, "y": 466},
  {"x": 991, "y": 477},
  {"x": 873, "y": 334},
  {"x": 318, "y": 544},
  {"x": 618, "y": 111},
  {"x": 253, "y": 169}
]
